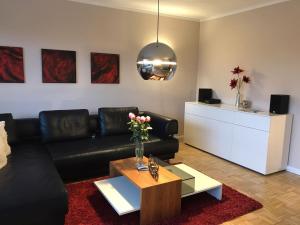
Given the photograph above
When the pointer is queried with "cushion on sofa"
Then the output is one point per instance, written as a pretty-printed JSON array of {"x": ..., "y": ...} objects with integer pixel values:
[
  {"x": 114, "y": 120},
  {"x": 3, "y": 139},
  {"x": 3, "y": 158},
  {"x": 9, "y": 127},
  {"x": 60, "y": 125}
]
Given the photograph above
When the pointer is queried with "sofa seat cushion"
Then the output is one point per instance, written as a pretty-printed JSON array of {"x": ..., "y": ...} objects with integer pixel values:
[
  {"x": 114, "y": 120},
  {"x": 65, "y": 153},
  {"x": 59, "y": 125},
  {"x": 103, "y": 149},
  {"x": 158, "y": 147},
  {"x": 122, "y": 147},
  {"x": 76, "y": 152},
  {"x": 30, "y": 186}
]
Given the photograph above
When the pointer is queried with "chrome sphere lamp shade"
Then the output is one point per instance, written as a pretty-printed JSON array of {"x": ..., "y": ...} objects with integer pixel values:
[{"x": 156, "y": 61}]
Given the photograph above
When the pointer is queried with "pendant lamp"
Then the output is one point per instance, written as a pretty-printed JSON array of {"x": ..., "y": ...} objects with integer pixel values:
[{"x": 156, "y": 61}]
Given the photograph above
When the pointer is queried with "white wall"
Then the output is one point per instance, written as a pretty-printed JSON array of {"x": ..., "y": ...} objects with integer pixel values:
[
  {"x": 56, "y": 24},
  {"x": 265, "y": 42}
]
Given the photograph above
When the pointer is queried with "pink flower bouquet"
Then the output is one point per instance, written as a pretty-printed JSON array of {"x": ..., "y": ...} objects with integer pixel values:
[{"x": 140, "y": 126}]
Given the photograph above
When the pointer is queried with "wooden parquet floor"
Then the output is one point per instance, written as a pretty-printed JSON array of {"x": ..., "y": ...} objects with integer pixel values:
[{"x": 279, "y": 193}]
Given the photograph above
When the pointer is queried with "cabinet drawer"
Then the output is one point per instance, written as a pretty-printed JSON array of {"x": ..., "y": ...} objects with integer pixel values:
[
  {"x": 252, "y": 120},
  {"x": 209, "y": 135},
  {"x": 250, "y": 148},
  {"x": 210, "y": 112}
]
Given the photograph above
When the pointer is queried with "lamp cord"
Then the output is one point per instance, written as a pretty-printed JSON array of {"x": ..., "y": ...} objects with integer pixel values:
[{"x": 157, "y": 26}]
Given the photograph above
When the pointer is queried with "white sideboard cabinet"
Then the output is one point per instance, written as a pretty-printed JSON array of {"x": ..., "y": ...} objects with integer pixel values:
[{"x": 259, "y": 141}]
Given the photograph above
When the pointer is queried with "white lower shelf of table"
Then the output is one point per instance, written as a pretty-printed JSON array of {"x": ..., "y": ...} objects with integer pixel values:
[
  {"x": 203, "y": 183},
  {"x": 124, "y": 196}
]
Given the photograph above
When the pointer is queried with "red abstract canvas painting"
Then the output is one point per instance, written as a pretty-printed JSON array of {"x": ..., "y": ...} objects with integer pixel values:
[
  {"x": 11, "y": 65},
  {"x": 104, "y": 68},
  {"x": 59, "y": 66}
]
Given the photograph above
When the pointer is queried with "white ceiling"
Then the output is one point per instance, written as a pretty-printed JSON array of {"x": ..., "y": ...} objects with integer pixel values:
[{"x": 188, "y": 9}]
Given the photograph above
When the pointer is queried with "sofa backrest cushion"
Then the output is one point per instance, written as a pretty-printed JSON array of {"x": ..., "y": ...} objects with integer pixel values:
[
  {"x": 60, "y": 125},
  {"x": 28, "y": 129},
  {"x": 114, "y": 120},
  {"x": 9, "y": 127}
]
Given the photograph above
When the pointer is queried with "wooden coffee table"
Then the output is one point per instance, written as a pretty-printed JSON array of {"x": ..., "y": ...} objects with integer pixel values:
[{"x": 131, "y": 190}]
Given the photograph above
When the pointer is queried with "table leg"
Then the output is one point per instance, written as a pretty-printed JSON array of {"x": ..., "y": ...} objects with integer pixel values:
[{"x": 160, "y": 202}]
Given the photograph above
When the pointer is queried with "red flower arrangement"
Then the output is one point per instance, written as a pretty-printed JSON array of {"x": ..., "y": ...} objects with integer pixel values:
[{"x": 237, "y": 82}]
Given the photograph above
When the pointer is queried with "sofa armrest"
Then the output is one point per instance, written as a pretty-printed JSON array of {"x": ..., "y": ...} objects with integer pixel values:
[{"x": 163, "y": 126}]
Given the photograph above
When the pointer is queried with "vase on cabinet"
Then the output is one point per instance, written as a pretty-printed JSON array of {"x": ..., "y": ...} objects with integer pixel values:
[{"x": 238, "y": 100}]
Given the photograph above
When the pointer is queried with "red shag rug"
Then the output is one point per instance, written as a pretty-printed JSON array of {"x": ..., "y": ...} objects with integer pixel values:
[{"x": 87, "y": 206}]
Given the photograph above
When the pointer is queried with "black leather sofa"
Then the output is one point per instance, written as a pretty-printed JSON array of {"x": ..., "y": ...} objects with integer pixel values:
[{"x": 65, "y": 145}]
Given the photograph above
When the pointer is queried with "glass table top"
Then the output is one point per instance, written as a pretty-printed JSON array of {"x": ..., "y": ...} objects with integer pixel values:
[{"x": 188, "y": 181}]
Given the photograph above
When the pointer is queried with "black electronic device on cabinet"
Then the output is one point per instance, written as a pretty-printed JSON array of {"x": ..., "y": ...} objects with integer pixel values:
[
  {"x": 205, "y": 95},
  {"x": 279, "y": 104},
  {"x": 212, "y": 101}
]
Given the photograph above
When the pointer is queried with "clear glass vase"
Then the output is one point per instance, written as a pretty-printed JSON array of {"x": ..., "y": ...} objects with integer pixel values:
[
  {"x": 238, "y": 99},
  {"x": 139, "y": 152}
]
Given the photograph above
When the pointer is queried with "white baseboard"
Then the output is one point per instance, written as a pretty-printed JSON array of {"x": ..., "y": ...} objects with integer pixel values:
[{"x": 293, "y": 170}]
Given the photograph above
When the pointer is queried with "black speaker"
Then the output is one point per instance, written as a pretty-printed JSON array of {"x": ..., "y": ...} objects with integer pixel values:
[
  {"x": 279, "y": 104},
  {"x": 204, "y": 94}
]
